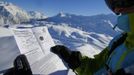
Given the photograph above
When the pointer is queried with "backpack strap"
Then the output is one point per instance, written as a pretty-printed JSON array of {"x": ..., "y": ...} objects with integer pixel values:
[
  {"x": 118, "y": 42},
  {"x": 114, "y": 45}
]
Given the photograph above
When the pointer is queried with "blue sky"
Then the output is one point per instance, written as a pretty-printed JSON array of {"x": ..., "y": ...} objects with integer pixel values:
[{"x": 52, "y": 7}]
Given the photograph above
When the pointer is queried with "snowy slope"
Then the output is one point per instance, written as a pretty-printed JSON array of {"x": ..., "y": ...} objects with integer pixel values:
[
  {"x": 89, "y": 43},
  {"x": 97, "y": 23},
  {"x": 12, "y": 14}
]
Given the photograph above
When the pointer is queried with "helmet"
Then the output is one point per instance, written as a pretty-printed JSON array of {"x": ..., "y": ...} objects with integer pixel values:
[{"x": 112, "y": 4}]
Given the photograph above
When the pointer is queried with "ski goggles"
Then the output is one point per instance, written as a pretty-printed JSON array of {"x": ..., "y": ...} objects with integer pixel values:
[{"x": 112, "y": 4}]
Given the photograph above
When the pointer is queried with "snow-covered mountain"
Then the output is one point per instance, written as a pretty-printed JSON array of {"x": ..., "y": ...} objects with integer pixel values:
[
  {"x": 12, "y": 14},
  {"x": 36, "y": 15},
  {"x": 88, "y": 34},
  {"x": 98, "y": 23}
]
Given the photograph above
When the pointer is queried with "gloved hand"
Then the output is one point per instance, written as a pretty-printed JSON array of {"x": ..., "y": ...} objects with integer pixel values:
[
  {"x": 21, "y": 67},
  {"x": 72, "y": 58},
  {"x": 62, "y": 51}
]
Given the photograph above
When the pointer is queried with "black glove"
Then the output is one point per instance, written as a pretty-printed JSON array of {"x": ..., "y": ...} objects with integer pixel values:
[
  {"x": 72, "y": 58},
  {"x": 21, "y": 67}
]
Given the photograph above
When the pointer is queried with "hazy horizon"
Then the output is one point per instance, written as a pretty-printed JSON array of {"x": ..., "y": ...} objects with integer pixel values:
[{"x": 51, "y": 8}]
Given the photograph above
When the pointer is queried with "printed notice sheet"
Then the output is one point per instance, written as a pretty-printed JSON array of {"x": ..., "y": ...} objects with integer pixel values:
[{"x": 35, "y": 43}]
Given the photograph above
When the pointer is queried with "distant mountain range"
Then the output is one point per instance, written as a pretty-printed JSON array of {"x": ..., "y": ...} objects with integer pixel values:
[
  {"x": 12, "y": 14},
  {"x": 98, "y": 23}
]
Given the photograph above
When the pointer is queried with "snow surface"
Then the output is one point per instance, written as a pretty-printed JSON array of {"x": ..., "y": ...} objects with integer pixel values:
[{"x": 4, "y": 32}]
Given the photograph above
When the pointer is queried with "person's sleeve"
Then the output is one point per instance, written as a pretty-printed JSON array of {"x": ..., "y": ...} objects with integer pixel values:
[{"x": 89, "y": 65}]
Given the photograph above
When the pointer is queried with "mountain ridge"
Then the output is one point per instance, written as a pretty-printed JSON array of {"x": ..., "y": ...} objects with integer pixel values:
[
  {"x": 12, "y": 14},
  {"x": 86, "y": 22}
]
